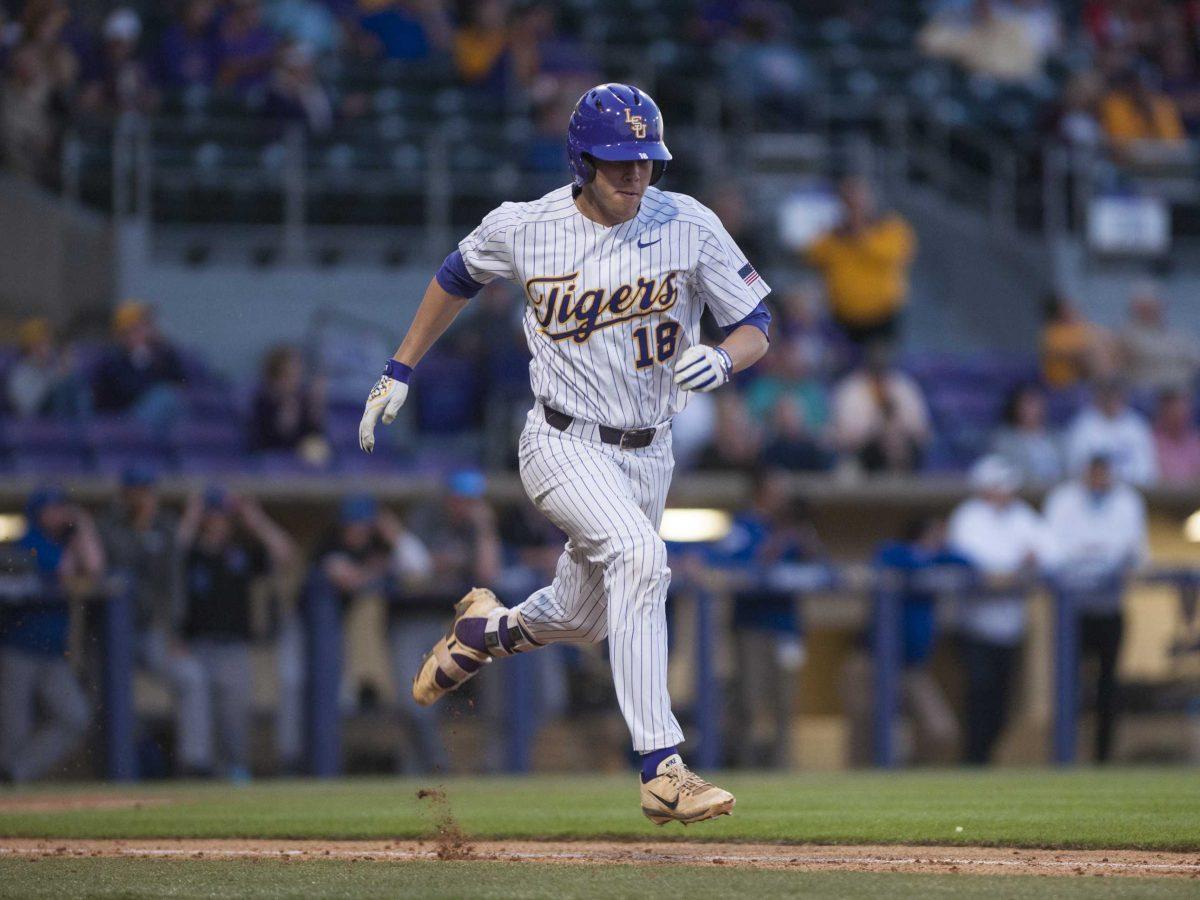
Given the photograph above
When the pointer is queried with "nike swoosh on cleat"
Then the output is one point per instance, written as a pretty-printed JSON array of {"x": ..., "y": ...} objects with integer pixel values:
[
  {"x": 648, "y": 243},
  {"x": 668, "y": 804}
]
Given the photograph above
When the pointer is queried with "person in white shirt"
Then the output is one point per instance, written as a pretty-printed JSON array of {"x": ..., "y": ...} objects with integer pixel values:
[
  {"x": 1109, "y": 426},
  {"x": 880, "y": 417},
  {"x": 1097, "y": 535},
  {"x": 1001, "y": 536}
]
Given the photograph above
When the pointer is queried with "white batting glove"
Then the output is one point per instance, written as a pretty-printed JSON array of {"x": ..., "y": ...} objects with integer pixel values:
[
  {"x": 703, "y": 368},
  {"x": 384, "y": 402}
]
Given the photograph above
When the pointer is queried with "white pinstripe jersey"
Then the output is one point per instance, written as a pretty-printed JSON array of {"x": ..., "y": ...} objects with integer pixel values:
[{"x": 608, "y": 309}]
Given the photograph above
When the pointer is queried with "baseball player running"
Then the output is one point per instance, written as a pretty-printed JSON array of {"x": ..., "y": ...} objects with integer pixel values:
[{"x": 616, "y": 274}]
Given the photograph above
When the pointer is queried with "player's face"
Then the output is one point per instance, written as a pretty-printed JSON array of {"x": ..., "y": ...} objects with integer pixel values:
[{"x": 618, "y": 187}]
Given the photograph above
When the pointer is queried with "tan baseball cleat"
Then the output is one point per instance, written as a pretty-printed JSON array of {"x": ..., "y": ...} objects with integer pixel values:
[
  {"x": 677, "y": 794},
  {"x": 440, "y": 673}
]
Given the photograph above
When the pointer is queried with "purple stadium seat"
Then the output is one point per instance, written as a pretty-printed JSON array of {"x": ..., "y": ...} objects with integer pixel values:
[
  {"x": 381, "y": 462},
  {"x": 208, "y": 461},
  {"x": 121, "y": 433},
  {"x": 46, "y": 463},
  {"x": 211, "y": 402},
  {"x": 225, "y": 436},
  {"x": 33, "y": 434},
  {"x": 208, "y": 447},
  {"x": 285, "y": 464}
]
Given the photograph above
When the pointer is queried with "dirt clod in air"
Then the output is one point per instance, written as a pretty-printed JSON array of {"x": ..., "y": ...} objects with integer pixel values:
[{"x": 451, "y": 842}]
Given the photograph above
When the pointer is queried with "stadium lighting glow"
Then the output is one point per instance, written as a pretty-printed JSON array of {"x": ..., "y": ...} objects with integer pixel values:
[
  {"x": 12, "y": 527},
  {"x": 1191, "y": 528},
  {"x": 694, "y": 526}
]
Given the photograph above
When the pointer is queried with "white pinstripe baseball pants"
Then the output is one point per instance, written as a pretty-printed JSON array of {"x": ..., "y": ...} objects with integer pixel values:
[{"x": 612, "y": 577}]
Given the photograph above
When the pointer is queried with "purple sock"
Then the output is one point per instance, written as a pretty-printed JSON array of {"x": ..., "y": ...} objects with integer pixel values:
[{"x": 651, "y": 760}]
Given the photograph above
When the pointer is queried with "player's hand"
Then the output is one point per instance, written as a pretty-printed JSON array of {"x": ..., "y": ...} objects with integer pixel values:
[
  {"x": 702, "y": 368},
  {"x": 384, "y": 401}
]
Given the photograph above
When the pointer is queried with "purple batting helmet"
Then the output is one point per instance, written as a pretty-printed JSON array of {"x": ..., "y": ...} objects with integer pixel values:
[{"x": 615, "y": 122}]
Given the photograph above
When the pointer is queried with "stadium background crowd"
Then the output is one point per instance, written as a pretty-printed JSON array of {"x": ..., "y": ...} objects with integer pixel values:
[{"x": 1090, "y": 415}]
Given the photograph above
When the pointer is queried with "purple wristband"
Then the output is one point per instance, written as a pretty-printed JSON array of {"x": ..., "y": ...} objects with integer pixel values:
[
  {"x": 725, "y": 360},
  {"x": 397, "y": 371}
]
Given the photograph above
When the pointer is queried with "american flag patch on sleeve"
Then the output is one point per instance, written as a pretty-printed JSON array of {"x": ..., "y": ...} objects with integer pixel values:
[{"x": 748, "y": 274}]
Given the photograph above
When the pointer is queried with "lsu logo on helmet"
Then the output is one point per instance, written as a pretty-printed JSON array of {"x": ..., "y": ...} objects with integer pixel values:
[{"x": 637, "y": 124}]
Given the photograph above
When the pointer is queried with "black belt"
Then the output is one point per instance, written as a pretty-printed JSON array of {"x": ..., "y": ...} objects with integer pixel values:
[{"x": 634, "y": 439}]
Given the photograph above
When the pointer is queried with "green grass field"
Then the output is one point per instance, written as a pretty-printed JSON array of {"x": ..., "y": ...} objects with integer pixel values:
[{"x": 1147, "y": 809}]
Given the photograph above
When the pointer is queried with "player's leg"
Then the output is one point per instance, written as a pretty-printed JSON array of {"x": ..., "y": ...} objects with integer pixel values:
[
  {"x": 573, "y": 608},
  {"x": 637, "y": 643}
]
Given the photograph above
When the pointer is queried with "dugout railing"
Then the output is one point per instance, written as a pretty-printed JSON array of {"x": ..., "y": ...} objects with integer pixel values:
[{"x": 114, "y": 654}]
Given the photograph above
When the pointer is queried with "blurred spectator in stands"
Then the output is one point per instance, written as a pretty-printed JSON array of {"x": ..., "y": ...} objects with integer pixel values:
[
  {"x": 1023, "y": 440},
  {"x": 410, "y": 30},
  {"x": 880, "y": 418},
  {"x": 140, "y": 542},
  {"x": 1076, "y": 119},
  {"x": 1072, "y": 348},
  {"x": 1139, "y": 120},
  {"x": 987, "y": 39},
  {"x": 308, "y": 23},
  {"x": 1000, "y": 536},
  {"x": 44, "y": 381},
  {"x": 768, "y": 640},
  {"x": 36, "y": 94},
  {"x": 43, "y": 709},
  {"x": 545, "y": 59},
  {"x": 1181, "y": 82},
  {"x": 865, "y": 263},
  {"x": 481, "y": 47},
  {"x": 803, "y": 328},
  {"x": 227, "y": 543},
  {"x": 764, "y": 67},
  {"x": 793, "y": 442},
  {"x": 141, "y": 372},
  {"x": 1041, "y": 20},
  {"x": 1121, "y": 25},
  {"x": 245, "y": 48},
  {"x": 543, "y": 150},
  {"x": 1176, "y": 438},
  {"x": 1154, "y": 355},
  {"x": 295, "y": 95},
  {"x": 462, "y": 534},
  {"x": 372, "y": 554},
  {"x": 1097, "y": 537},
  {"x": 736, "y": 441},
  {"x": 923, "y": 547},
  {"x": 731, "y": 203},
  {"x": 10, "y": 35},
  {"x": 187, "y": 55},
  {"x": 121, "y": 81},
  {"x": 288, "y": 412},
  {"x": 692, "y": 430},
  {"x": 786, "y": 376},
  {"x": 1109, "y": 425}
]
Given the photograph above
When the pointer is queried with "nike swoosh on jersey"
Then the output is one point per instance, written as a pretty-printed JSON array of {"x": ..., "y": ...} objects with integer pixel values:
[
  {"x": 668, "y": 804},
  {"x": 648, "y": 243}
]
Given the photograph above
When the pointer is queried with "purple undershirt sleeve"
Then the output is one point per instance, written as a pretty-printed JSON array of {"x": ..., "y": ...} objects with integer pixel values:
[
  {"x": 454, "y": 278},
  {"x": 760, "y": 318}
]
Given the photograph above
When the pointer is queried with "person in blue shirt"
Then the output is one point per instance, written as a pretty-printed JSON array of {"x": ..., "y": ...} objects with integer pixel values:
[
  {"x": 60, "y": 546},
  {"x": 934, "y": 726},
  {"x": 767, "y": 632}
]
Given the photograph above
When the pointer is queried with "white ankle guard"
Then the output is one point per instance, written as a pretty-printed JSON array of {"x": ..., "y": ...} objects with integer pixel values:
[{"x": 516, "y": 634}]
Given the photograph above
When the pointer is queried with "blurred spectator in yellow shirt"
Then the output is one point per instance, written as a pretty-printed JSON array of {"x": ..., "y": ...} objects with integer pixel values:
[
  {"x": 1135, "y": 114},
  {"x": 481, "y": 45},
  {"x": 1072, "y": 348},
  {"x": 865, "y": 263}
]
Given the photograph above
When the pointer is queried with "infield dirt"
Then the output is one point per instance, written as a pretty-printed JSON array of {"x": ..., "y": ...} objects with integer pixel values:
[{"x": 808, "y": 857}]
